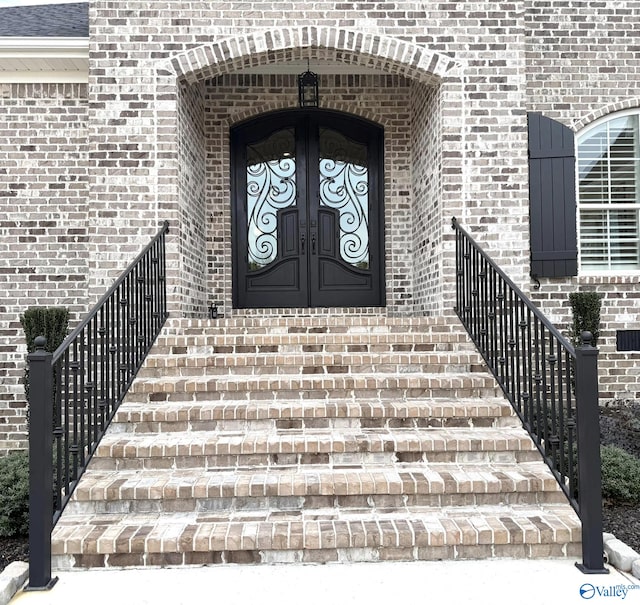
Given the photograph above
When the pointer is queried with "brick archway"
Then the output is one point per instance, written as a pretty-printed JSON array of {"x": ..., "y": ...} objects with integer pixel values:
[
  {"x": 620, "y": 105},
  {"x": 265, "y": 47}
]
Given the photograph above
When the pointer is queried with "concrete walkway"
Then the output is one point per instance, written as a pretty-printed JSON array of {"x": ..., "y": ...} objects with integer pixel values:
[{"x": 424, "y": 583}]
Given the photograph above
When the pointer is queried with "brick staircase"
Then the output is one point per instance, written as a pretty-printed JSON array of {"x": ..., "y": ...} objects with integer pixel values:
[{"x": 314, "y": 439}]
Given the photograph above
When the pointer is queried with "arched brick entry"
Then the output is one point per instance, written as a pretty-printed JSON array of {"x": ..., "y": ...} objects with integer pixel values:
[
  {"x": 183, "y": 83},
  {"x": 264, "y": 47}
]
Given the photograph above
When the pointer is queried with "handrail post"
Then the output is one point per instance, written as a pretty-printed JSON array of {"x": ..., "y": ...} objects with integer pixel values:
[
  {"x": 40, "y": 466},
  {"x": 589, "y": 470}
]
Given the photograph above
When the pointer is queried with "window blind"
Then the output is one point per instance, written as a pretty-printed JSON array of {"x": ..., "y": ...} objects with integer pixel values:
[{"x": 609, "y": 196}]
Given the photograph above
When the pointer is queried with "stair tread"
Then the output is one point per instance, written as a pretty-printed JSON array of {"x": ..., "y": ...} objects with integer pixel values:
[
  {"x": 188, "y": 443},
  {"x": 433, "y": 479},
  {"x": 207, "y": 358},
  {"x": 360, "y": 380},
  {"x": 270, "y": 321},
  {"x": 316, "y": 408},
  {"x": 353, "y": 337},
  {"x": 315, "y": 529}
]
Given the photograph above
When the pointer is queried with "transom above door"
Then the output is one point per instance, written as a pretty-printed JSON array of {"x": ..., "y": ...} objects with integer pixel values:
[{"x": 308, "y": 209}]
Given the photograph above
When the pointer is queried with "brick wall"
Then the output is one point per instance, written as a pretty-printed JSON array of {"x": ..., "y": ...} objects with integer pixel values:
[
  {"x": 43, "y": 224},
  {"x": 192, "y": 170},
  {"x": 460, "y": 47},
  {"x": 426, "y": 193},
  {"x": 582, "y": 63}
]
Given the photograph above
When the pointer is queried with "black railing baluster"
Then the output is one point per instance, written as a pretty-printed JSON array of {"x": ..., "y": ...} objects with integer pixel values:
[
  {"x": 536, "y": 368},
  {"x": 502, "y": 359},
  {"x": 88, "y": 388},
  {"x": 138, "y": 328},
  {"x": 94, "y": 386},
  {"x": 162, "y": 251},
  {"x": 512, "y": 347},
  {"x": 521, "y": 367},
  {"x": 554, "y": 438},
  {"x": 561, "y": 415},
  {"x": 475, "y": 286},
  {"x": 75, "y": 407},
  {"x": 484, "y": 320},
  {"x": 89, "y": 375},
  {"x": 537, "y": 378},
  {"x": 66, "y": 422},
  {"x": 493, "y": 327},
  {"x": 83, "y": 399},
  {"x": 544, "y": 389},
  {"x": 121, "y": 339},
  {"x": 104, "y": 365},
  {"x": 459, "y": 273},
  {"x": 530, "y": 367}
]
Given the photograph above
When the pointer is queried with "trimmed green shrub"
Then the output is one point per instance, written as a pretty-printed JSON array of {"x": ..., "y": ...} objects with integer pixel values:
[
  {"x": 586, "y": 315},
  {"x": 14, "y": 494},
  {"x": 620, "y": 475},
  {"x": 50, "y": 322}
]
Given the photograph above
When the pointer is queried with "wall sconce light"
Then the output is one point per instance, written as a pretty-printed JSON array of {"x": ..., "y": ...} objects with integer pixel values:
[
  {"x": 308, "y": 89},
  {"x": 213, "y": 311}
]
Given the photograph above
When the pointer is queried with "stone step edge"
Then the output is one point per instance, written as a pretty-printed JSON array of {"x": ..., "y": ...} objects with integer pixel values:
[
  {"x": 302, "y": 382},
  {"x": 571, "y": 550},
  {"x": 172, "y": 485},
  {"x": 404, "y": 342},
  {"x": 314, "y": 408},
  {"x": 202, "y": 443},
  {"x": 300, "y": 319},
  {"x": 106, "y": 534},
  {"x": 200, "y": 359}
]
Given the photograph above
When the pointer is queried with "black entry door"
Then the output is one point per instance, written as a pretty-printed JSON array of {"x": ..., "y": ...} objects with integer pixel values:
[{"x": 307, "y": 211}]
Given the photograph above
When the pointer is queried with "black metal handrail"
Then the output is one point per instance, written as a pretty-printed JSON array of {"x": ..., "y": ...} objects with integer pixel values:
[
  {"x": 552, "y": 386},
  {"x": 77, "y": 389}
]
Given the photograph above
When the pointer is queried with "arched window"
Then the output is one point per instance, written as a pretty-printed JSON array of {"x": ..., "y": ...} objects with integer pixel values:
[{"x": 608, "y": 157}]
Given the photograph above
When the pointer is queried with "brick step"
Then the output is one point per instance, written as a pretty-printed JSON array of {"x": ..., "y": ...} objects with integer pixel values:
[
  {"x": 313, "y": 386},
  {"x": 308, "y": 414},
  {"x": 158, "y": 539},
  {"x": 383, "y": 489},
  {"x": 208, "y": 364},
  {"x": 272, "y": 321},
  {"x": 214, "y": 342},
  {"x": 210, "y": 450}
]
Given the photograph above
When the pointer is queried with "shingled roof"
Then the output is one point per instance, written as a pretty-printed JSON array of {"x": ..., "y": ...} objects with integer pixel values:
[{"x": 45, "y": 21}]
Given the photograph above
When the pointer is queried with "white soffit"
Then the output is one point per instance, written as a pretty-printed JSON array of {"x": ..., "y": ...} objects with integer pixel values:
[{"x": 44, "y": 59}]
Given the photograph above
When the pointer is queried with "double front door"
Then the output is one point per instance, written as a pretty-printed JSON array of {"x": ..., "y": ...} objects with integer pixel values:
[{"x": 308, "y": 229}]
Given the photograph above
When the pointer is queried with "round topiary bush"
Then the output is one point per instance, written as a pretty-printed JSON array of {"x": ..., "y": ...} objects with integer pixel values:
[
  {"x": 14, "y": 494},
  {"x": 620, "y": 475}
]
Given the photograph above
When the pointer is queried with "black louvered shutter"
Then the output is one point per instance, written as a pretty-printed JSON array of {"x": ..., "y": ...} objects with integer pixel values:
[{"x": 552, "y": 198}]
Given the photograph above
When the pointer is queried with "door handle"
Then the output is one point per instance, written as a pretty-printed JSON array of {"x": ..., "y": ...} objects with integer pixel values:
[
  {"x": 302, "y": 240},
  {"x": 313, "y": 243}
]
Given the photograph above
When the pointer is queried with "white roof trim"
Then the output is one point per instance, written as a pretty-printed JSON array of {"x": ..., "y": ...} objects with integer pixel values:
[
  {"x": 33, "y": 59},
  {"x": 14, "y": 3},
  {"x": 15, "y": 47},
  {"x": 44, "y": 77}
]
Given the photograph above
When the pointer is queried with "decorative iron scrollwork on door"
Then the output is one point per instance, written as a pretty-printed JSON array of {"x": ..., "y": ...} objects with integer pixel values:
[
  {"x": 271, "y": 186},
  {"x": 344, "y": 186}
]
